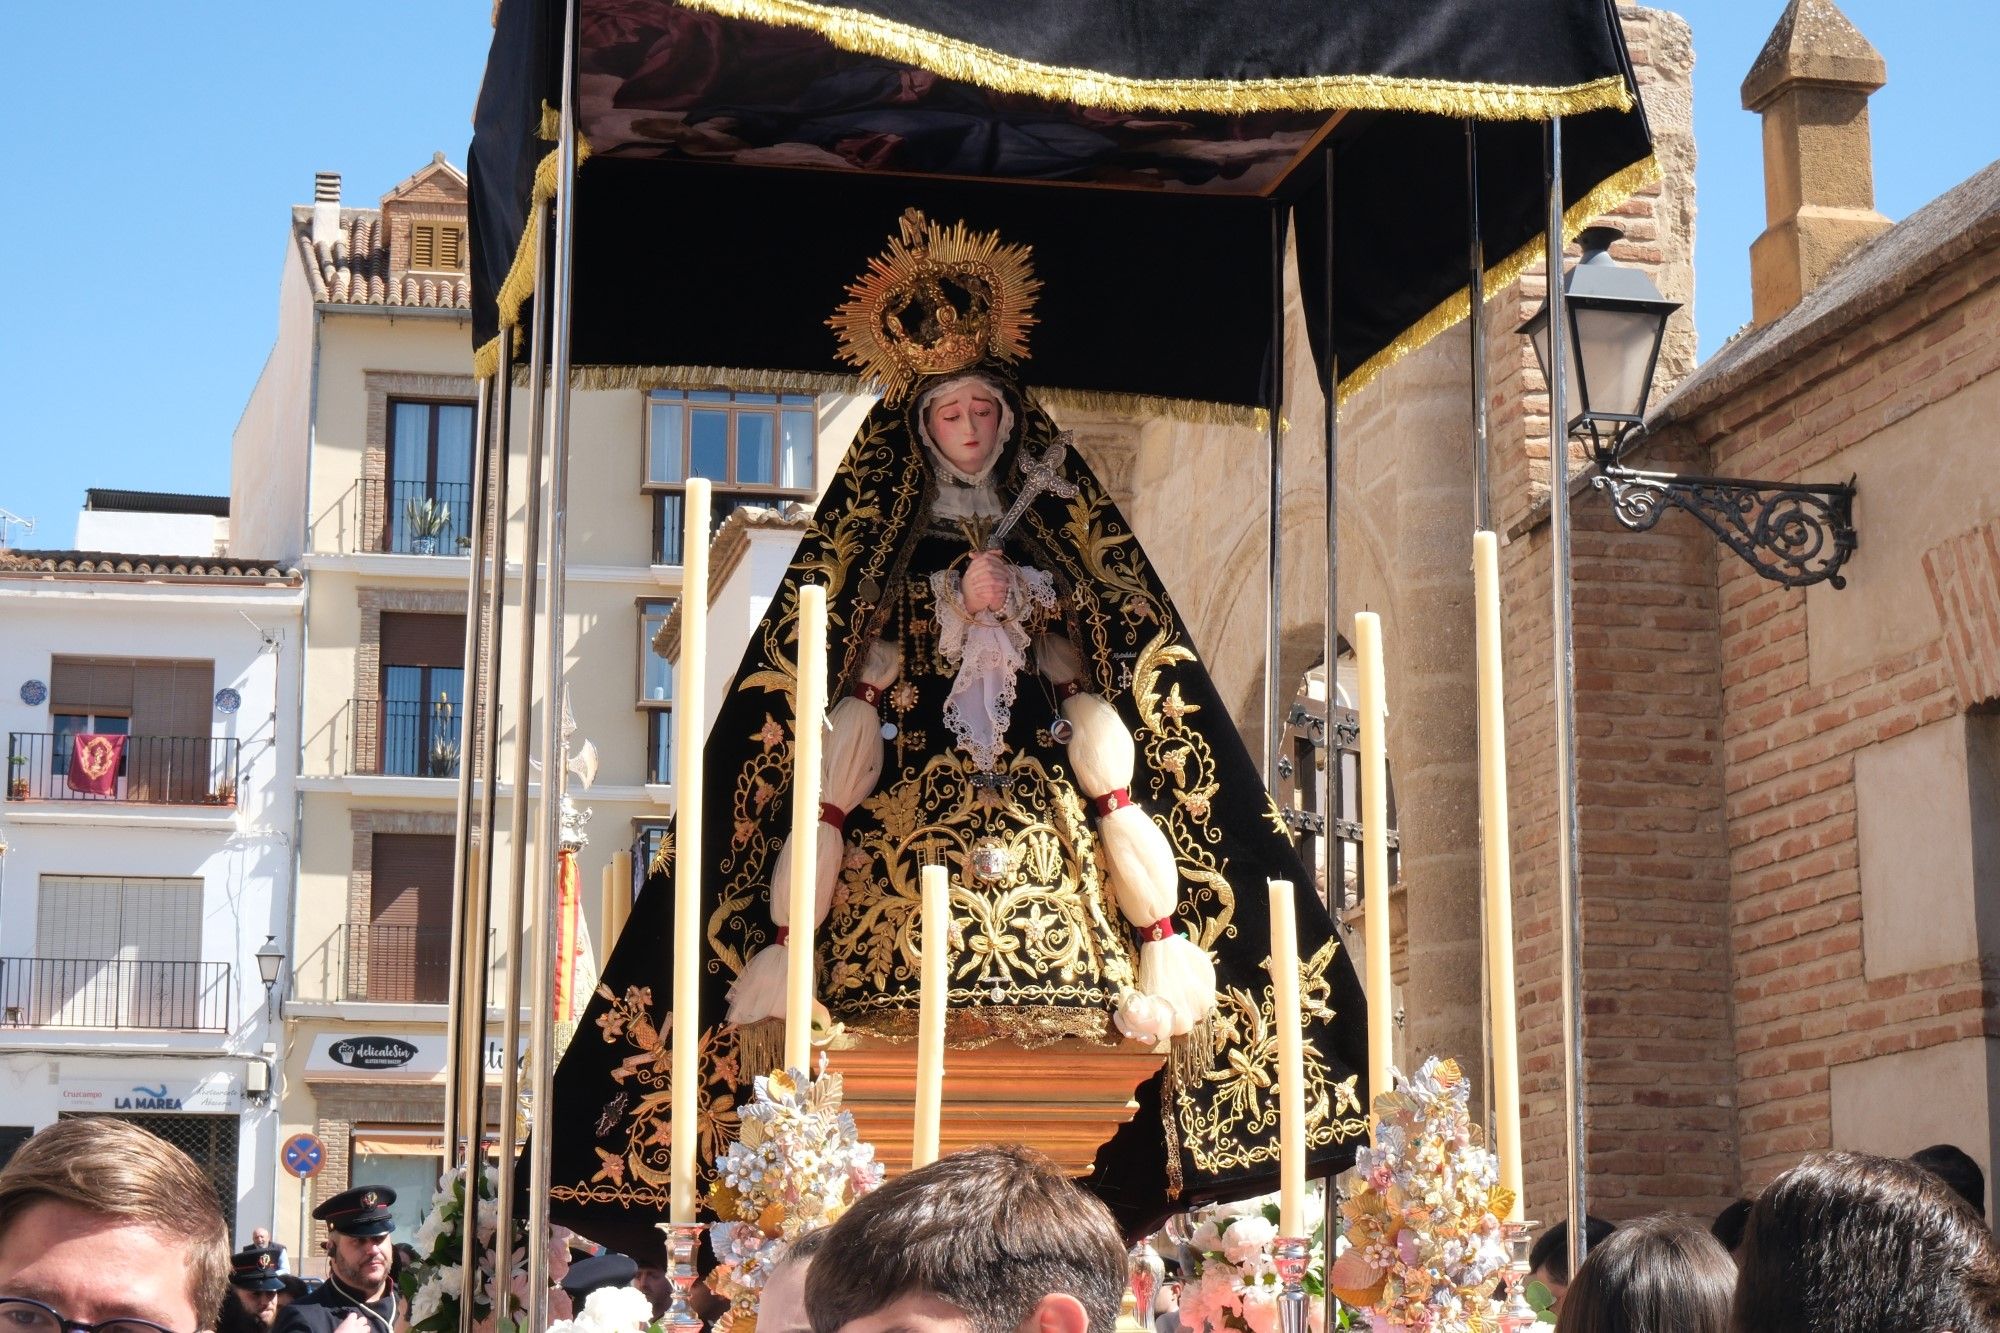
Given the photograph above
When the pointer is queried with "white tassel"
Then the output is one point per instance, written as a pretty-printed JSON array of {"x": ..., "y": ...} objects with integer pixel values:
[
  {"x": 850, "y": 766},
  {"x": 1176, "y": 982}
]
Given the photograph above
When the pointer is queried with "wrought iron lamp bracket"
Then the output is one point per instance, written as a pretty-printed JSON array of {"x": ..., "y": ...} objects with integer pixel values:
[{"x": 1790, "y": 533}]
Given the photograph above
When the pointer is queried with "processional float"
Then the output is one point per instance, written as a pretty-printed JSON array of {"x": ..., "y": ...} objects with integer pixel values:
[{"x": 743, "y": 156}]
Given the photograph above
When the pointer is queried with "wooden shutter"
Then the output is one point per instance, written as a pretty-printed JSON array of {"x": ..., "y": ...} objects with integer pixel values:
[
  {"x": 411, "y": 875},
  {"x": 416, "y": 639},
  {"x": 90, "y": 685},
  {"x": 423, "y": 246}
]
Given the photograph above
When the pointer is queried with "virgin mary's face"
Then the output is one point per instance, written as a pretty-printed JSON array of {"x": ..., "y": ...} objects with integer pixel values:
[{"x": 964, "y": 423}]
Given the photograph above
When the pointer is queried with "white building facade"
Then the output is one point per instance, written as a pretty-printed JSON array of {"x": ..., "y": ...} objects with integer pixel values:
[{"x": 141, "y": 879}]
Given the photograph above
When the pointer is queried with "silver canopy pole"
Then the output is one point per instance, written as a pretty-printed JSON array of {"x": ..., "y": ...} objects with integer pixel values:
[
  {"x": 524, "y": 711},
  {"x": 1274, "y": 713},
  {"x": 541, "y": 1043},
  {"x": 1334, "y": 887},
  {"x": 1482, "y": 507},
  {"x": 457, "y": 1021},
  {"x": 1569, "y": 865}
]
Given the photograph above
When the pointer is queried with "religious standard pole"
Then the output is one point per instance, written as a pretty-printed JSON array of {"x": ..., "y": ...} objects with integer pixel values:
[
  {"x": 1482, "y": 506},
  {"x": 461, "y": 870},
  {"x": 541, "y": 1043},
  {"x": 524, "y": 710},
  {"x": 1568, "y": 859},
  {"x": 1274, "y": 716},
  {"x": 1334, "y": 887}
]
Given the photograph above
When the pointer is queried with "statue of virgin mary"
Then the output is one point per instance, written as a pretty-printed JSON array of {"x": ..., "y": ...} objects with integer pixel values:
[{"x": 1013, "y": 696}]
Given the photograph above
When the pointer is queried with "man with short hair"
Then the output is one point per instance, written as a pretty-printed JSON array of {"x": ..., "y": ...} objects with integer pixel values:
[
  {"x": 781, "y": 1306},
  {"x": 102, "y": 1223},
  {"x": 990, "y": 1240},
  {"x": 1955, "y": 1167},
  {"x": 1548, "y": 1259},
  {"x": 357, "y": 1296}
]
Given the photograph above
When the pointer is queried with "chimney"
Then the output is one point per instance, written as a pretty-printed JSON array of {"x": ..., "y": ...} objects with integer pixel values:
[
  {"x": 1811, "y": 84},
  {"x": 326, "y": 208}
]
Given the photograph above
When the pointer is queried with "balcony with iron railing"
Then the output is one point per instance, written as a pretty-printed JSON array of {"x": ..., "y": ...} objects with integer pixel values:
[
  {"x": 126, "y": 993},
  {"x": 398, "y": 964},
  {"x": 414, "y": 517},
  {"x": 403, "y": 738},
  {"x": 151, "y": 770}
]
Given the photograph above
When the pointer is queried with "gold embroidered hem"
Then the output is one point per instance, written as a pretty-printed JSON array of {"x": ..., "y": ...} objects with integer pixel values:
[
  {"x": 1025, "y": 1025},
  {"x": 870, "y": 34}
]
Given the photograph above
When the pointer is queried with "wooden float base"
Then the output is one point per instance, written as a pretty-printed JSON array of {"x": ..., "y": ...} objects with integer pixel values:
[{"x": 1065, "y": 1099}]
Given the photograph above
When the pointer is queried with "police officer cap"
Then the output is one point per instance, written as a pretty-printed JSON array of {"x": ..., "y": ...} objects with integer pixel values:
[
  {"x": 255, "y": 1268},
  {"x": 361, "y": 1211},
  {"x": 609, "y": 1269}
]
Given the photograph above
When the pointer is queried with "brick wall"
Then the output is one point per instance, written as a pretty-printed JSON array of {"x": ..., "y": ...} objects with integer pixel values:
[{"x": 1805, "y": 1000}]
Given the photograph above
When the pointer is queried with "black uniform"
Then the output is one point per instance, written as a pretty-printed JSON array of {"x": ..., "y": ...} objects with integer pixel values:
[
  {"x": 324, "y": 1309},
  {"x": 361, "y": 1211}
]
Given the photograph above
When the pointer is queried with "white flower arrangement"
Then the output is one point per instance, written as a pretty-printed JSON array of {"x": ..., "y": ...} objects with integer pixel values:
[
  {"x": 1230, "y": 1281},
  {"x": 611, "y": 1310},
  {"x": 796, "y": 1167},
  {"x": 432, "y": 1286}
]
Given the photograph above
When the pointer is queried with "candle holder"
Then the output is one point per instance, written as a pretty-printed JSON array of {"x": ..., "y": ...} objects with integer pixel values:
[
  {"x": 1290, "y": 1255},
  {"x": 683, "y": 1243},
  {"x": 1144, "y": 1270},
  {"x": 1511, "y": 1310}
]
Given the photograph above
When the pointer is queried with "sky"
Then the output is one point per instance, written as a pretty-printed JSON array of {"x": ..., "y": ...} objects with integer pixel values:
[{"x": 151, "y": 170}]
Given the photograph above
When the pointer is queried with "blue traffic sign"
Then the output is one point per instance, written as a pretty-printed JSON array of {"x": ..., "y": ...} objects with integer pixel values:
[{"x": 304, "y": 1155}]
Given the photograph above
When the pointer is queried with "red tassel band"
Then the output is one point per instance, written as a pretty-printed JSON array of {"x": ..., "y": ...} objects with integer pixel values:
[
  {"x": 1112, "y": 800},
  {"x": 1069, "y": 689},
  {"x": 868, "y": 694},
  {"x": 1163, "y": 929},
  {"x": 830, "y": 813},
  {"x": 785, "y": 933}
]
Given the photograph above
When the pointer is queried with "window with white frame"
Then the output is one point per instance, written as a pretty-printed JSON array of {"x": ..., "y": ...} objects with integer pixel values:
[{"x": 753, "y": 448}]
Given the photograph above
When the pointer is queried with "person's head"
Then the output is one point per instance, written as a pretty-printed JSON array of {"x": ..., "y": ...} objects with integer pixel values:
[
  {"x": 1955, "y": 1167},
  {"x": 295, "y": 1288},
  {"x": 1727, "y": 1228},
  {"x": 260, "y": 1236},
  {"x": 101, "y": 1220},
  {"x": 360, "y": 1250},
  {"x": 1662, "y": 1274},
  {"x": 596, "y": 1272},
  {"x": 990, "y": 1240},
  {"x": 652, "y": 1280},
  {"x": 966, "y": 420},
  {"x": 1849, "y": 1243},
  {"x": 1548, "y": 1257},
  {"x": 255, "y": 1283},
  {"x": 782, "y": 1306}
]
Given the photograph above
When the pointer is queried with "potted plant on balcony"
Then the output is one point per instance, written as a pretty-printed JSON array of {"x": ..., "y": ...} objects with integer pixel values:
[
  {"x": 427, "y": 521},
  {"x": 442, "y": 759},
  {"x": 17, "y": 777}
]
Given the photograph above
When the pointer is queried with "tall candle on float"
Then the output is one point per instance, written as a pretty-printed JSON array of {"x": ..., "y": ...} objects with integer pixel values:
[
  {"x": 688, "y": 708},
  {"x": 1496, "y": 849},
  {"x": 808, "y": 726},
  {"x": 936, "y": 937},
  {"x": 1291, "y": 1061},
  {"x": 1374, "y": 711},
  {"x": 621, "y": 896}
]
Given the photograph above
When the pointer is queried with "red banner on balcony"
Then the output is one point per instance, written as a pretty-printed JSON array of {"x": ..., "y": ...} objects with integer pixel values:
[{"x": 93, "y": 763}]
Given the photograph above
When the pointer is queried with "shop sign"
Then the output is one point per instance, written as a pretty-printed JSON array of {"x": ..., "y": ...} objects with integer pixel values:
[
  {"x": 208, "y": 1096},
  {"x": 371, "y": 1052}
]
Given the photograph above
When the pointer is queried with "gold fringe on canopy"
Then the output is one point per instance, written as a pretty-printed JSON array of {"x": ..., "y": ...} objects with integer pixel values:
[
  {"x": 519, "y": 284},
  {"x": 869, "y": 34},
  {"x": 1611, "y": 192}
]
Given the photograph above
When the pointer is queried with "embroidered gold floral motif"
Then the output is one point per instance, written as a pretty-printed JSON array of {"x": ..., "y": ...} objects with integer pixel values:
[
  {"x": 1236, "y": 1126},
  {"x": 636, "y": 1169}
]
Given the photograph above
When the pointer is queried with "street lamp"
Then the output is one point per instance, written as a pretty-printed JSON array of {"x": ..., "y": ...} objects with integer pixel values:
[
  {"x": 270, "y": 962},
  {"x": 1790, "y": 533}
]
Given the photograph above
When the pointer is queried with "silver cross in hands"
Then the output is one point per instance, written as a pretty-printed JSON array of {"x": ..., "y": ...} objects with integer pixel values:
[{"x": 1038, "y": 474}]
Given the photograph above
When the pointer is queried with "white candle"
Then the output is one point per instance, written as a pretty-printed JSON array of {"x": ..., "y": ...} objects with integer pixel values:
[
  {"x": 1291, "y": 1061},
  {"x": 1497, "y": 864},
  {"x": 930, "y": 1015},
  {"x": 809, "y": 714},
  {"x": 1375, "y": 847},
  {"x": 621, "y": 897},
  {"x": 688, "y": 728}
]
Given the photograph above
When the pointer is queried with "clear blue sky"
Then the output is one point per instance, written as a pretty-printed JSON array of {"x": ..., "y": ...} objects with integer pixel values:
[{"x": 156, "y": 148}]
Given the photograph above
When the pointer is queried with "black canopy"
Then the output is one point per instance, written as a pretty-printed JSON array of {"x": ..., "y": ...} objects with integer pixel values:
[{"x": 744, "y": 157}]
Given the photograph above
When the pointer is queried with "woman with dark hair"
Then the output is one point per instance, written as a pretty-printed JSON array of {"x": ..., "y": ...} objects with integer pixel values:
[
  {"x": 1849, "y": 1243},
  {"x": 1662, "y": 1274}
]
